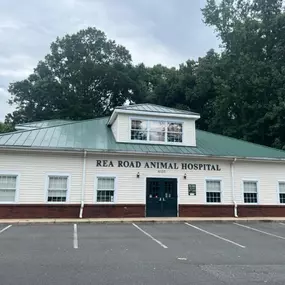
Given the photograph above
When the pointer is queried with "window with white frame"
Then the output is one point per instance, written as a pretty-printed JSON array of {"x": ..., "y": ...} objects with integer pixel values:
[
  {"x": 105, "y": 189},
  {"x": 156, "y": 131},
  {"x": 57, "y": 188},
  {"x": 281, "y": 192},
  {"x": 250, "y": 191},
  {"x": 8, "y": 187},
  {"x": 213, "y": 191}
]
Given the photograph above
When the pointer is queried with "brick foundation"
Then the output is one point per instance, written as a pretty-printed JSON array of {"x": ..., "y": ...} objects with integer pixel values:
[
  {"x": 206, "y": 210},
  {"x": 261, "y": 211},
  {"x": 28, "y": 211},
  {"x": 114, "y": 211},
  {"x": 228, "y": 211}
]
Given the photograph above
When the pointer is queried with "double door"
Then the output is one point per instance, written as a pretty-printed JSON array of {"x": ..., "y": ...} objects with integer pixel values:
[{"x": 161, "y": 197}]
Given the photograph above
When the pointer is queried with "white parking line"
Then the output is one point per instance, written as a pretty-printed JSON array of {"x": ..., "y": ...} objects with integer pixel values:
[
  {"x": 282, "y": 224},
  {"x": 257, "y": 230},
  {"x": 75, "y": 237},
  {"x": 147, "y": 234},
  {"x": 6, "y": 228},
  {"x": 214, "y": 235}
]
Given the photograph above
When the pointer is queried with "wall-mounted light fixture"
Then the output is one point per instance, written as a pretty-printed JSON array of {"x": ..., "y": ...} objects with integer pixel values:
[
  {"x": 185, "y": 176},
  {"x": 138, "y": 175}
]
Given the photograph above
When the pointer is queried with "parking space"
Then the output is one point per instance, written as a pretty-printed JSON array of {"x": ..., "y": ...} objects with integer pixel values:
[{"x": 143, "y": 253}]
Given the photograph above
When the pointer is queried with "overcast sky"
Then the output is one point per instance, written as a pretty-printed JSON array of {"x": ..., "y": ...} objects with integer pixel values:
[{"x": 154, "y": 31}]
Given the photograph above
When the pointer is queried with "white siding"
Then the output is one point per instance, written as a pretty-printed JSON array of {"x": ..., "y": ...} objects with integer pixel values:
[
  {"x": 123, "y": 128},
  {"x": 132, "y": 190},
  {"x": 189, "y": 132},
  {"x": 33, "y": 168},
  {"x": 267, "y": 174},
  {"x": 115, "y": 129}
]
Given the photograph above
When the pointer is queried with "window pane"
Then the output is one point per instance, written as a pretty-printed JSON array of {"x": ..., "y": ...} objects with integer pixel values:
[
  {"x": 105, "y": 189},
  {"x": 8, "y": 181},
  {"x": 174, "y": 127},
  {"x": 250, "y": 197},
  {"x": 58, "y": 182},
  {"x": 8, "y": 188},
  {"x": 174, "y": 137},
  {"x": 213, "y": 191},
  {"x": 250, "y": 186},
  {"x": 57, "y": 188},
  {"x": 213, "y": 186},
  {"x": 157, "y": 131},
  {"x": 105, "y": 196},
  {"x": 139, "y": 135},
  {"x": 7, "y": 195},
  {"x": 282, "y": 187},
  {"x": 106, "y": 183},
  {"x": 157, "y": 136},
  {"x": 282, "y": 197},
  {"x": 213, "y": 197},
  {"x": 139, "y": 125},
  {"x": 157, "y": 126},
  {"x": 56, "y": 196}
]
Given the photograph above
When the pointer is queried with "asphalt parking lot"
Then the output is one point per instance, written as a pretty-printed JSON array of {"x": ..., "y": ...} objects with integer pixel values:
[{"x": 143, "y": 253}]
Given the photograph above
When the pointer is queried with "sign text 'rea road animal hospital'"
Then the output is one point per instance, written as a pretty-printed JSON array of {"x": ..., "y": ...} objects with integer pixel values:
[{"x": 158, "y": 165}]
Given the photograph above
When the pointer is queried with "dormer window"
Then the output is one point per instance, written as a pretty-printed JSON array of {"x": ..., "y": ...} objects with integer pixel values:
[{"x": 156, "y": 131}]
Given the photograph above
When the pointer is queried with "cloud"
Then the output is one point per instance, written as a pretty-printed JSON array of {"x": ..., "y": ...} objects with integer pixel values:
[{"x": 161, "y": 31}]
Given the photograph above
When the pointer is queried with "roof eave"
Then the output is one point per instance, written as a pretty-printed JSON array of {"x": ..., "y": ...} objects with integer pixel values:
[
  {"x": 115, "y": 152},
  {"x": 147, "y": 113}
]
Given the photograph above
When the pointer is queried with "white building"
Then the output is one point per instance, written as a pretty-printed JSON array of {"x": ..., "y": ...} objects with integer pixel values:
[{"x": 145, "y": 160}]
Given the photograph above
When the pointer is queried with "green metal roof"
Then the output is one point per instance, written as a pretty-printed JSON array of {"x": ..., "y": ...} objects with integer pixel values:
[
  {"x": 95, "y": 135},
  {"x": 41, "y": 124},
  {"x": 155, "y": 108}
]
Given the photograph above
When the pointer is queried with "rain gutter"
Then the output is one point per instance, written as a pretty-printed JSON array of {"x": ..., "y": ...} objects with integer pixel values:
[
  {"x": 83, "y": 184},
  {"x": 233, "y": 187}
]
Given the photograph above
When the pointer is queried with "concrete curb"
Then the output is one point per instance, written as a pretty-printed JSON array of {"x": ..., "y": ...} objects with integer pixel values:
[{"x": 137, "y": 220}]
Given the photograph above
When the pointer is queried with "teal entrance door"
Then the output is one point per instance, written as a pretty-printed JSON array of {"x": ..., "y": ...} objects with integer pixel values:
[{"x": 161, "y": 197}]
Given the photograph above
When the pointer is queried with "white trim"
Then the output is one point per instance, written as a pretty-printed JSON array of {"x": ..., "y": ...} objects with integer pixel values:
[
  {"x": 149, "y": 118},
  {"x": 213, "y": 178},
  {"x": 83, "y": 184},
  {"x": 60, "y": 174},
  {"x": 148, "y": 141},
  {"x": 162, "y": 177},
  {"x": 106, "y": 175},
  {"x": 17, "y": 191},
  {"x": 257, "y": 186},
  {"x": 138, "y": 153},
  {"x": 146, "y": 113},
  {"x": 278, "y": 192}
]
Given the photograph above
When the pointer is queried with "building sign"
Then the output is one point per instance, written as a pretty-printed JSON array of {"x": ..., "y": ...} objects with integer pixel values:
[
  {"x": 158, "y": 165},
  {"x": 192, "y": 189}
]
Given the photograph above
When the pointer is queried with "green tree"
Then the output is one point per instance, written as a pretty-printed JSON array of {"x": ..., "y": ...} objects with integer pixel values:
[
  {"x": 84, "y": 76},
  {"x": 5, "y": 128},
  {"x": 250, "y": 77}
]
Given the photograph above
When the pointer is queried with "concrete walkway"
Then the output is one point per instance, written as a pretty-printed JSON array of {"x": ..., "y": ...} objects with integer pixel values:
[{"x": 137, "y": 220}]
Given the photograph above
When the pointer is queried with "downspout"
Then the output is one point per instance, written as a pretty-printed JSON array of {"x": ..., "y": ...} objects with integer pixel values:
[
  {"x": 83, "y": 184},
  {"x": 233, "y": 188}
]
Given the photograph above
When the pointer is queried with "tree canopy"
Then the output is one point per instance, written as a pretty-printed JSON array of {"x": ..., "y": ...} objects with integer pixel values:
[
  {"x": 5, "y": 128},
  {"x": 239, "y": 91},
  {"x": 84, "y": 76}
]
